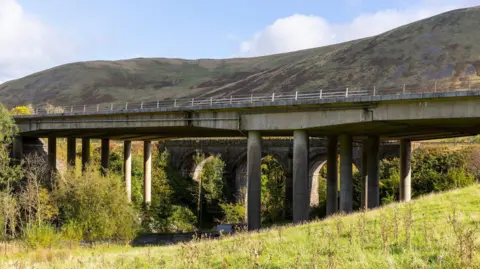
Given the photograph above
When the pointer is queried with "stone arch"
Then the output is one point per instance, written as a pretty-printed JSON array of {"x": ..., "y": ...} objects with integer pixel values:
[
  {"x": 316, "y": 164},
  {"x": 239, "y": 169}
]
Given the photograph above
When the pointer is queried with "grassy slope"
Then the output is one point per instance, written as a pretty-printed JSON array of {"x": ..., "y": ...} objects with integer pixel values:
[
  {"x": 445, "y": 48},
  {"x": 376, "y": 239}
]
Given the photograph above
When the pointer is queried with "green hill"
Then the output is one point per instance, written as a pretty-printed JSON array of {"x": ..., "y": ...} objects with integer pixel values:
[
  {"x": 445, "y": 47},
  {"x": 436, "y": 231}
]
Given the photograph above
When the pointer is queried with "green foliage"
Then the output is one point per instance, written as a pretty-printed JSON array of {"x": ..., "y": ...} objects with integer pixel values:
[
  {"x": 97, "y": 204},
  {"x": 273, "y": 190},
  {"x": 72, "y": 232},
  {"x": 182, "y": 219},
  {"x": 40, "y": 235},
  {"x": 212, "y": 179},
  {"x": 233, "y": 213}
]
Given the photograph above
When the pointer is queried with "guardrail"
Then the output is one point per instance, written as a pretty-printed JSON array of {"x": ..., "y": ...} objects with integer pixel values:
[{"x": 275, "y": 97}]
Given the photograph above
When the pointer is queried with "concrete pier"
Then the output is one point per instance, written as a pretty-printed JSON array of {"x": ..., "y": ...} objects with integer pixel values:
[
  {"x": 86, "y": 159},
  {"x": 332, "y": 176},
  {"x": 71, "y": 152},
  {"x": 301, "y": 190},
  {"x": 127, "y": 167},
  {"x": 373, "y": 163},
  {"x": 364, "y": 176},
  {"x": 17, "y": 149},
  {"x": 346, "y": 181},
  {"x": 254, "y": 170},
  {"x": 405, "y": 170},
  {"x": 147, "y": 172},
  {"x": 105, "y": 155},
  {"x": 52, "y": 153}
]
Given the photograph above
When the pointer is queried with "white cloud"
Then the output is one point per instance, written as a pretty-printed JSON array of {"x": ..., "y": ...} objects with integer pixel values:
[
  {"x": 299, "y": 31},
  {"x": 26, "y": 44}
]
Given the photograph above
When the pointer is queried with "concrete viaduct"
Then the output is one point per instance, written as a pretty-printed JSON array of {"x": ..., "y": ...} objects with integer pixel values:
[{"x": 340, "y": 120}]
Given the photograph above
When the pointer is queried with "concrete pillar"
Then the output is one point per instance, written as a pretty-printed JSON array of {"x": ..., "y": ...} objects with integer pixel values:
[
  {"x": 105, "y": 155},
  {"x": 127, "y": 167},
  {"x": 364, "y": 177},
  {"x": 52, "y": 153},
  {"x": 85, "y": 153},
  {"x": 147, "y": 172},
  {"x": 373, "y": 163},
  {"x": 71, "y": 152},
  {"x": 254, "y": 184},
  {"x": 301, "y": 193},
  {"x": 332, "y": 176},
  {"x": 17, "y": 150},
  {"x": 346, "y": 180},
  {"x": 405, "y": 170}
]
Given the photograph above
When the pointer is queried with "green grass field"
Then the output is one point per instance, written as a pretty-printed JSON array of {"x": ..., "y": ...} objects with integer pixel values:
[{"x": 436, "y": 231}]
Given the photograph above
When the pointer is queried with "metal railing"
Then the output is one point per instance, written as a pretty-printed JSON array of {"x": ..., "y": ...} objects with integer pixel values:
[{"x": 273, "y": 98}]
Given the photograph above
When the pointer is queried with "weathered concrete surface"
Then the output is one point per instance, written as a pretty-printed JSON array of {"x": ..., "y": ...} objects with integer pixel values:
[
  {"x": 332, "y": 176},
  {"x": 71, "y": 152},
  {"x": 405, "y": 170},
  {"x": 86, "y": 158},
  {"x": 373, "y": 162},
  {"x": 105, "y": 155},
  {"x": 52, "y": 153},
  {"x": 346, "y": 176},
  {"x": 301, "y": 189},
  {"x": 127, "y": 167},
  {"x": 414, "y": 116},
  {"x": 364, "y": 177},
  {"x": 147, "y": 172},
  {"x": 254, "y": 170}
]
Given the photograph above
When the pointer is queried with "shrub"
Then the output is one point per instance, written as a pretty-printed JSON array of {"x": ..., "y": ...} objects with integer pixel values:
[
  {"x": 97, "y": 204},
  {"x": 233, "y": 213},
  {"x": 21, "y": 110},
  {"x": 40, "y": 235},
  {"x": 72, "y": 233},
  {"x": 182, "y": 219}
]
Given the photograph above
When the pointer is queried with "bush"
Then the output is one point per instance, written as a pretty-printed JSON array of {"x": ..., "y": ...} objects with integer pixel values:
[
  {"x": 72, "y": 233},
  {"x": 40, "y": 235},
  {"x": 97, "y": 204},
  {"x": 21, "y": 110},
  {"x": 233, "y": 213},
  {"x": 182, "y": 219}
]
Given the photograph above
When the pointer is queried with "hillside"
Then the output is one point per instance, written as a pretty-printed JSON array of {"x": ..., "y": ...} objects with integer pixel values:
[
  {"x": 436, "y": 231},
  {"x": 445, "y": 47}
]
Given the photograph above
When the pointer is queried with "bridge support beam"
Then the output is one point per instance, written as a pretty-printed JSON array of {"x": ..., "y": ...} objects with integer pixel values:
[
  {"x": 254, "y": 170},
  {"x": 127, "y": 168},
  {"x": 301, "y": 194},
  {"x": 17, "y": 149},
  {"x": 373, "y": 161},
  {"x": 85, "y": 153},
  {"x": 364, "y": 176},
  {"x": 405, "y": 170},
  {"x": 147, "y": 172},
  {"x": 71, "y": 152},
  {"x": 346, "y": 180},
  {"x": 105, "y": 155},
  {"x": 332, "y": 176},
  {"x": 52, "y": 153}
]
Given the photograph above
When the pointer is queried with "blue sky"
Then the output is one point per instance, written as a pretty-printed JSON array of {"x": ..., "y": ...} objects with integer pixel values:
[{"x": 39, "y": 34}]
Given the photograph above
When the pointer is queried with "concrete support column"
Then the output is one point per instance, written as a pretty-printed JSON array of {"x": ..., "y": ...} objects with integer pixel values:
[
  {"x": 85, "y": 153},
  {"x": 71, "y": 152},
  {"x": 364, "y": 177},
  {"x": 52, "y": 153},
  {"x": 301, "y": 193},
  {"x": 373, "y": 163},
  {"x": 147, "y": 172},
  {"x": 105, "y": 155},
  {"x": 254, "y": 171},
  {"x": 346, "y": 180},
  {"x": 405, "y": 170},
  {"x": 127, "y": 167},
  {"x": 17, "y": 149},
  {"x": 332, "y": 176}
]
